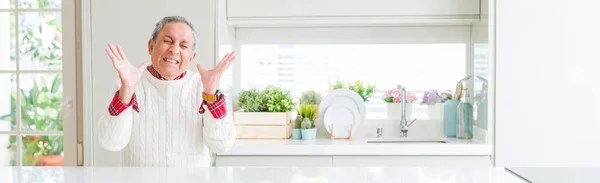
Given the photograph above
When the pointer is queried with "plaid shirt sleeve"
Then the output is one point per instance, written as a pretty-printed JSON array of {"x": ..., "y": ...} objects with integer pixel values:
[
  {"x": 217, "y": 109},
  {"x": 116, "y": 106}
]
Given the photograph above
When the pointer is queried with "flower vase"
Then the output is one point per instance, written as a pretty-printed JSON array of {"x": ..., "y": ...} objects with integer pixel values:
[
  {"x": 435, "y": 111},
  {"x": 394, "y": 110},
  {"x": 450, "y": 107},
  {"x": 309, "y": 134},
  {"x": 296, "y": 133}
]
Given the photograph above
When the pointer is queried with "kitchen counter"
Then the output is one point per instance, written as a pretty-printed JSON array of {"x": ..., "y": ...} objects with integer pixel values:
[
  {"x": 252, "y": 175},
  {"x": 358, "y": 146}
]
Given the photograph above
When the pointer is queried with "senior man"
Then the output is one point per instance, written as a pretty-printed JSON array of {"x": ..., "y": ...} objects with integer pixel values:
[{"x": 158, "y": 116}]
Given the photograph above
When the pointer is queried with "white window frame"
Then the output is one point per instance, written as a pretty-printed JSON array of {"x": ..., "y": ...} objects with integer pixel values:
[
  {"x": 68, "y": 71},
  {"x": 345, "y": 35}
]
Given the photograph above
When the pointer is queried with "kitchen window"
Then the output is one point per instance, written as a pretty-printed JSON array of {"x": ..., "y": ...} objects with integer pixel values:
[{"x": 300, "y": 59}]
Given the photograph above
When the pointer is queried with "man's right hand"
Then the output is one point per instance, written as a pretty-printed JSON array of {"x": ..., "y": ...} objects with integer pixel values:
[{"x": 128, "y": 73}]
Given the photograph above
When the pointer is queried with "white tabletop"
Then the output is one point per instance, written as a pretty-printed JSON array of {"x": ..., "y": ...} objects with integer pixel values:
[
  {"x": 259, "y": 175},
  {"x": 558, "y": 174}
]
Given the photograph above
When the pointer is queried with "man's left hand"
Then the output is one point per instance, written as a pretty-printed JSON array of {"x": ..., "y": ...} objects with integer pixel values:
[{"x": 210, "y": 78}]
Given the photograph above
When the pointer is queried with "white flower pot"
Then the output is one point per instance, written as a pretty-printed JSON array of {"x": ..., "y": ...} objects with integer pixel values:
[
  {"x": 394, "y": 111},
  {"x": 435, "y": 111}
]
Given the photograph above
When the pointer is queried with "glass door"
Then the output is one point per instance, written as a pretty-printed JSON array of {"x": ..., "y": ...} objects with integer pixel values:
[{"x": 37, "y": 69}]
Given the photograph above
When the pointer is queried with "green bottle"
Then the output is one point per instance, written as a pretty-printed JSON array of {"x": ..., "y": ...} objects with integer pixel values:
[{"x": 464, "y": 116}]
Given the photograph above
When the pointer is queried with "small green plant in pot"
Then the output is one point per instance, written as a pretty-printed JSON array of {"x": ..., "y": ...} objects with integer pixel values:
[
  {"x": 251, "y": 100},
  {"x": 308, "y": 115},
  {"x": 310, "y": 97},
  {"x": 296, "y": 132},
  {"x": 268, "y": 108},
  {"x": 277, "y": 99}
]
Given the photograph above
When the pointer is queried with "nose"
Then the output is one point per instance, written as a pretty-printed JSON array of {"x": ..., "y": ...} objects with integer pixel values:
[{"x": 174, "y": 49}]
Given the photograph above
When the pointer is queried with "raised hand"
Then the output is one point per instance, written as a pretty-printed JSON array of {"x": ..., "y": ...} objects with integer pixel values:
[
  {"x": 210, "y": 78},
  {"x": 128, "y": 73}
]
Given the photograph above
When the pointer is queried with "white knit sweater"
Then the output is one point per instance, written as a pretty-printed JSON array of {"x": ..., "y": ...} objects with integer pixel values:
[{"x": 168, "y": 130}]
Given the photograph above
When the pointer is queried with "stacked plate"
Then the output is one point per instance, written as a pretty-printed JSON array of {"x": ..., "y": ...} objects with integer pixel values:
[{"x": 341, "y": 108}]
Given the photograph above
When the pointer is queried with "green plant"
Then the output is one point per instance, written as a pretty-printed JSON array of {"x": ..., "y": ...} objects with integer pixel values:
[
  {"x": 310, "y": 97},
  {"x": 365, "y": 91},
  {"x": 339, "y": 84},
  {"x": 40, "y": 38},
  {"x": 277, "y": 99},
  {"x": 40, "y": 108},
  {"x": 307, "y": 124},
  {"x": 40, "y": 44},
  {"x": 308, "y": 111},
  {"x": 251, "y": 100},
  {"x": 298, "y": 123},
  {"x": 306, "y": 114}
]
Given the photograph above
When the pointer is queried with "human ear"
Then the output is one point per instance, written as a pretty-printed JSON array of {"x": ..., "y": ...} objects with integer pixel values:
[{"x": 150, "y": 46}]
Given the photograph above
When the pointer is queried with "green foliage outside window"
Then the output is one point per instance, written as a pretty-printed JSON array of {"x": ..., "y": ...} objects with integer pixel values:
[{"x": 40, "y": 105}]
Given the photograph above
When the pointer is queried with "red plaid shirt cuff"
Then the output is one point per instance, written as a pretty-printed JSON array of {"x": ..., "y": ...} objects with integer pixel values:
[
  {"x": 116, "y": 106},
  {"x": 217, "y": 109}
]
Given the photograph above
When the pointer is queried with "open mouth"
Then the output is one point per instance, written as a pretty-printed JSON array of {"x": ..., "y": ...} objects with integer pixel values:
[{"x": 173, "y": 61}]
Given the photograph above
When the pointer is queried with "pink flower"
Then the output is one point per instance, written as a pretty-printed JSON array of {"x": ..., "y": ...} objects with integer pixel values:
[
  {"x": 392, "y": 93},
  {"x": 395, "y": 96},
  {"x": 397, "y": 99}
]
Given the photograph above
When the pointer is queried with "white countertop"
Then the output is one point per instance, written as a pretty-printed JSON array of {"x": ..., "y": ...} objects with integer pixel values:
[
  {"x": 258, "y": 175},
  {"x": 358, "y": 146}
]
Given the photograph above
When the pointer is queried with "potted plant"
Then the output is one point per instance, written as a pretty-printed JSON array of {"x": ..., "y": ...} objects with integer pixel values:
[
  {"x": 264, "y": 114},
  {"x": 277, "y": 99},
  {"x": 296, "y": 132},
  {"x": 365, "y": 91},
  {"x": 435, "y": 103},
  {"x": 251, "y": 100},
  {"x": 308, "y": 114},
  {"x": 393, "y": 99},
  {"x": 40, "y": 108},
  {"x": 310, "y": 97}
]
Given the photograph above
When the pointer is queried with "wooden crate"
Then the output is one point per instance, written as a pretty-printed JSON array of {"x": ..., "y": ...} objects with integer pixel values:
[
  {"x": 264, "y": 132},
  {"x": 262, "y": 118},
  {"x": 263, "y": 125}
]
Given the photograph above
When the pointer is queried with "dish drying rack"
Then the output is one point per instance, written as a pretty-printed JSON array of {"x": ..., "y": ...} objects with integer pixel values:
[{"x": 333, "y": 137}]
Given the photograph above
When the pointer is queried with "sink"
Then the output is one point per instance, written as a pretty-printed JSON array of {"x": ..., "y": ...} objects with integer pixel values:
[{"x": 406, "y": 141}]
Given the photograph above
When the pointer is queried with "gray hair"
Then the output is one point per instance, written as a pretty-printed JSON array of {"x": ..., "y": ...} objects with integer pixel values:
[{"x": 169, "y": 19}]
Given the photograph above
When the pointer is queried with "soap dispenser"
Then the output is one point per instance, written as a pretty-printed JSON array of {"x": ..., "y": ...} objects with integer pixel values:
[
  {"x": 464, "y": 116},
  {"x": 450, "y": 109}
]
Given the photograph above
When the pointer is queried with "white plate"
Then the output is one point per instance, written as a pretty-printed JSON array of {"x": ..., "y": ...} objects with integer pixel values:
[
  {"x": 346, "y": 93},
  {"x": 341, "y": 116},
  {"x": 347, "y": 102}
]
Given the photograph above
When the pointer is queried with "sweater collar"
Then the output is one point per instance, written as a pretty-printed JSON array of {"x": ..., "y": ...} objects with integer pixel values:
[{"x": 158, "y": 76}]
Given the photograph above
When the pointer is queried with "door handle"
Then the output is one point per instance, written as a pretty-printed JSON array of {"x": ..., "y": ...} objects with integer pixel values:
[{"x": 65, "y": 108}]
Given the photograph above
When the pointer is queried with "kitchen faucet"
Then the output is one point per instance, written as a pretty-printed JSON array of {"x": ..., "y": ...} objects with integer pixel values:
[{"x": 403, "y": 122}]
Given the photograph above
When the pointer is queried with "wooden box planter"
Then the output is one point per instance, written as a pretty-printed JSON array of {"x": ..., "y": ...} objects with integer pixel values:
[{"x": 263, "y": 125}]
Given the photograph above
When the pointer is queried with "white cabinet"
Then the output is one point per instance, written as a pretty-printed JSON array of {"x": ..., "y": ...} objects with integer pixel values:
[
  {"x": 255, "y": 12},
  {"x": 471, "y": 161},
  {"x": 478, "y": 161},
  {"x": 301, "y": 161},
  {"x": 350, "y": 8}
]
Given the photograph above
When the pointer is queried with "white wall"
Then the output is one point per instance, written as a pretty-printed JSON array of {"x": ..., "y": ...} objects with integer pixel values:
[
  {"x": 548, "y": 111},
  {"x": 130, "y": 24}
]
